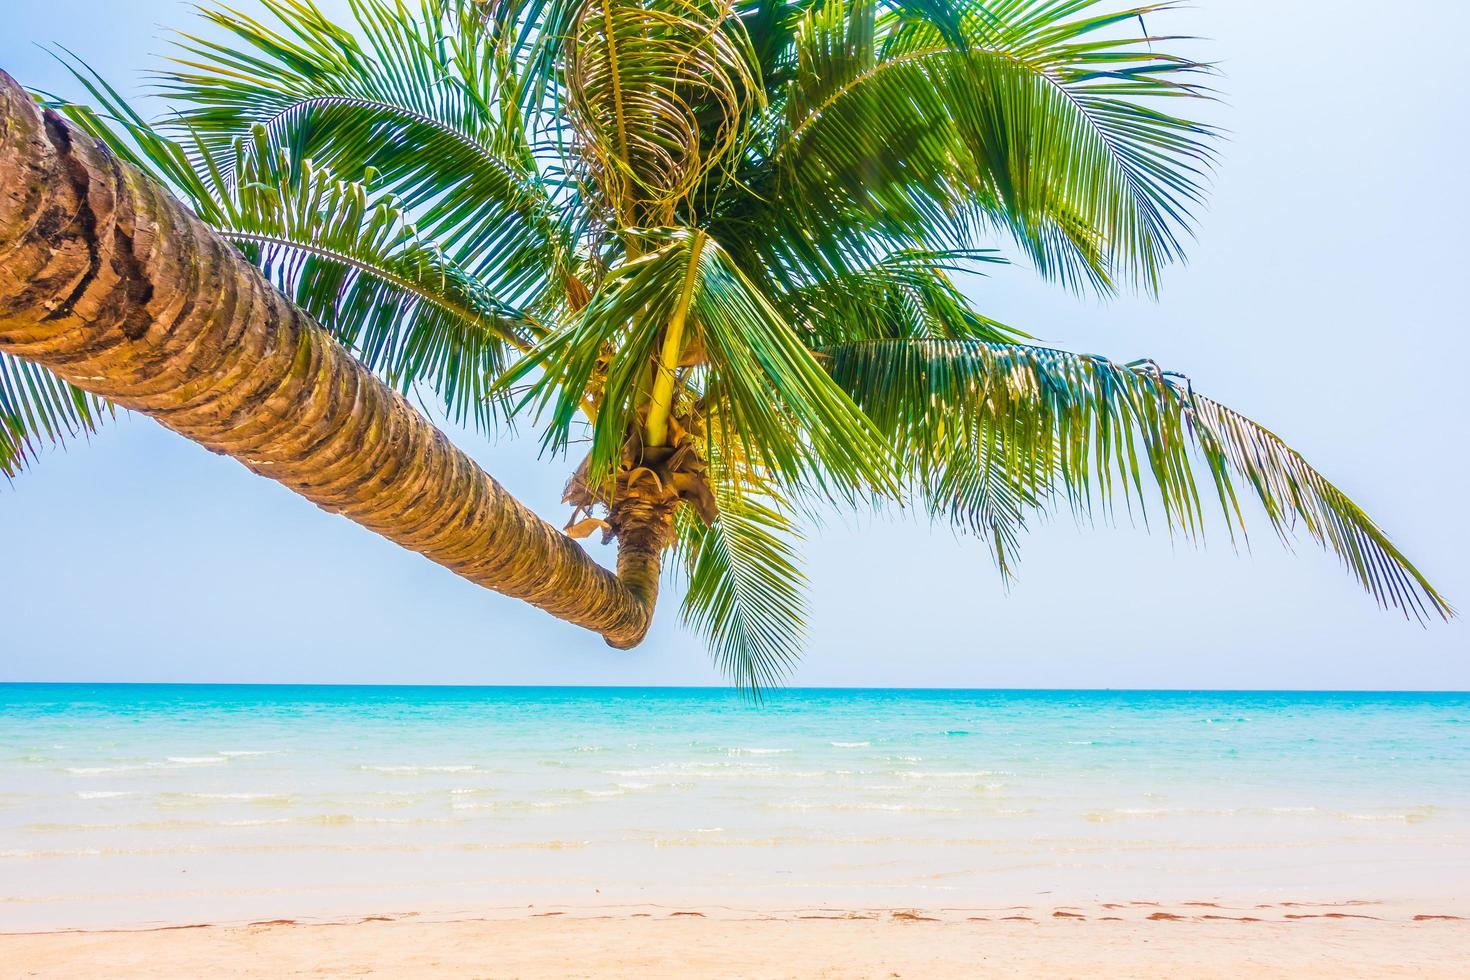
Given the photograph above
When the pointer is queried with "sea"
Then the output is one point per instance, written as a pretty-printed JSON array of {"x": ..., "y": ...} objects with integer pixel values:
[{"x": 145, "y": 805}]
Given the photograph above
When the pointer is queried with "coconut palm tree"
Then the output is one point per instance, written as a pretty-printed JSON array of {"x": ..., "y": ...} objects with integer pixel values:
[{"x": 716, "y": 247}]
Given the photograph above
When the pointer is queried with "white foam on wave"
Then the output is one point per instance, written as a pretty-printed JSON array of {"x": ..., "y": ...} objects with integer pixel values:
[
  {"x": 758, "y": 751},
  {"x": 205, "y": 799},
  {"x": 872, "y": 807},
  {"x": 175, "y": 761},
  {"x": 243, "y": 753},
  {"x": 415, "y": 770},
  {"x": 1418, "y": 815},
  {"x": 103, "y": 794},
  {"x": 850, "y": 745},
  {"x": 99, "y": 770}
]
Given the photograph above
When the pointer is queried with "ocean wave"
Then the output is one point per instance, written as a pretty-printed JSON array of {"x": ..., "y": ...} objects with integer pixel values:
[
  {"x": 204, "y": 799},
  {"x": 1415, "y": 815},
  {"x": 101, "y": 770},
  {"x": 416, "y": 770},
  {"x": 949, "y": 774},
  {"x": 1131, "y": 813},
  {"x": 866, "y": 807},
  {"x": 850, "y": 745},
  {"x": 103, "y": 794},
  {"x": 174, "y": 761},
  {"x": 541, "y": 845},
  {"x": 757, "y": 751},
  {"x": 511, "y": 805}
]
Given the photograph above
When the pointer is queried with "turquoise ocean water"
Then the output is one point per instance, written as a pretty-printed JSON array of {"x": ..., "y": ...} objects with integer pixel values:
[{"x": 136, "y": 804}]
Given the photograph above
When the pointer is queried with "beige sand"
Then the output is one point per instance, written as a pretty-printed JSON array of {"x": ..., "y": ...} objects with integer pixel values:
[{"x": 1133, "y": 940}]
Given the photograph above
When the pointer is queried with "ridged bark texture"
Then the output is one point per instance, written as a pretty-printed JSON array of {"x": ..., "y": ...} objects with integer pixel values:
[
  {"x": 111, "y": 283},
  {"x": 642, "y": 518}
]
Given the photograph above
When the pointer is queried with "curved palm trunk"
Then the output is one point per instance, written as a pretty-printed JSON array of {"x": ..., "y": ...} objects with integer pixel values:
[{"x": 111, "y": 283}]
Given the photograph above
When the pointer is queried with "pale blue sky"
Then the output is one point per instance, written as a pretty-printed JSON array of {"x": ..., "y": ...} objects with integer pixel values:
[{"x": 1321, "y": 299}]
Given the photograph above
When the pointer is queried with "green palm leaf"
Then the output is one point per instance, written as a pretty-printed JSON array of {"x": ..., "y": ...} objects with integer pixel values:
[
  {"x": 746, "y": 592},
  {"x": 909, "y": 293},
  {"x": 930, "y": 124},
  {"x": 38, "y": 407},
  {"x": 404, "y": 95},
  {"x": 353, "y": 261},
  {"x": 1093, "y": 429}
]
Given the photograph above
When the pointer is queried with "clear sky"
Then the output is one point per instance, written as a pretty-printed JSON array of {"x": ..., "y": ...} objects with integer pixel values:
[{"x": 1321, "y": 299}]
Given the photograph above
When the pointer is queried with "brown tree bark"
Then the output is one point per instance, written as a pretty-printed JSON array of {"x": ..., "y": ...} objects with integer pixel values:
[{"x": 111, "y": 283}]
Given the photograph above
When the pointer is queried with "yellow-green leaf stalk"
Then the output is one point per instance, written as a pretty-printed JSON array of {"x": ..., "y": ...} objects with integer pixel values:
[{"x": 661, "y": 402}]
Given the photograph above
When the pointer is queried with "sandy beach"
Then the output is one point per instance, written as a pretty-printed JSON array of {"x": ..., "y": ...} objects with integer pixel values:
[{"x": 1111, "y": 940}]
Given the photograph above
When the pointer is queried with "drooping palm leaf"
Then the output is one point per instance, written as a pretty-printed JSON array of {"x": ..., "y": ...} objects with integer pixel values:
[
  {"x": 908, "y": 293},
  {"x": 352, "y": 260},
  {"x": 37, "y": 407},
  {"x": 928, "y": 124},
  {"x": 746, "y": 592},
  {"x": 1094, "y": 429},
  {"x": 404, "y": 95}
]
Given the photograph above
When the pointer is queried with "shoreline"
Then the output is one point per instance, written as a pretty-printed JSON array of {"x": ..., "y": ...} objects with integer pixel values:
[
  {"x": 1140, "y": 938},
  {"x": 1279, "y": 912}
]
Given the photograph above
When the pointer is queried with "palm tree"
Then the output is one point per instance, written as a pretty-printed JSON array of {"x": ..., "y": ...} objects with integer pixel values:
[{"x": 716, "y": 242}]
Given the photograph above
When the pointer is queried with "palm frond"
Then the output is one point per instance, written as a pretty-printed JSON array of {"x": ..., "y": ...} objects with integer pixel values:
[
  {"x": 401, "y": 94},
  {"x": 353, "y": 261},
  {"x": 37, "y": 407},
  {"x": 909, "y": 293},
  {"x": 1094, "y": 429},
  {"x": 746, "y": 592},
  {"x": 931, "y": 123}
]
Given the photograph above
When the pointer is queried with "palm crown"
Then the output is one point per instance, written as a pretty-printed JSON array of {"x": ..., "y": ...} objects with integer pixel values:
[{"x": 722, "y": 238}]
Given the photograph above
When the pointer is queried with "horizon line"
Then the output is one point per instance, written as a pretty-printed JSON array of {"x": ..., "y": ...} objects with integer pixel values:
[{"x": 735, "y": 690}]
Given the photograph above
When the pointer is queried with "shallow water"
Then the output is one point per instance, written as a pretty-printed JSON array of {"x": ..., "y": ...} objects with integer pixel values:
[{"x": 134, "y": 804}]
